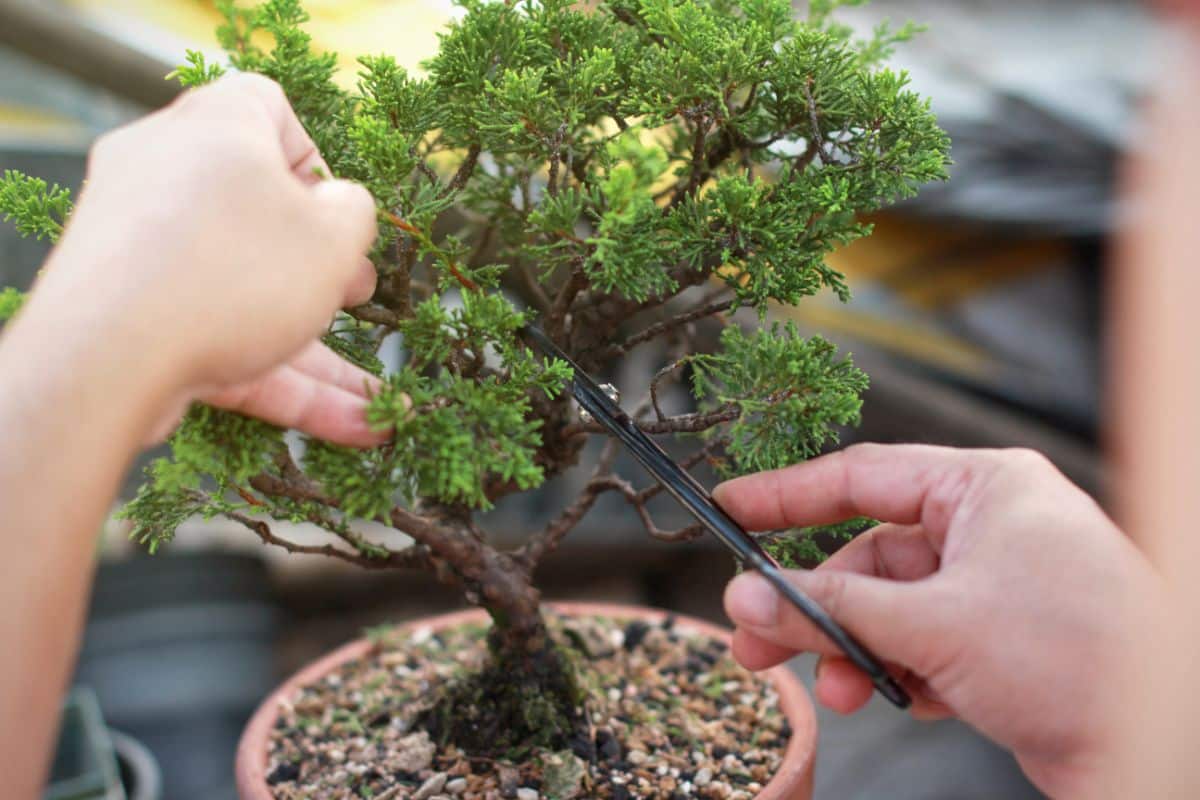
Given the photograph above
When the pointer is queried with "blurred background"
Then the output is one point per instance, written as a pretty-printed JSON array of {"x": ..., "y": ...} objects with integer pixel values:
[{"x": 977, "y": 313}]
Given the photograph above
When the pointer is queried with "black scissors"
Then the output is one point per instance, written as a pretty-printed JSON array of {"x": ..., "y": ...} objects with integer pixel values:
[{"x": 696, "y": 499}]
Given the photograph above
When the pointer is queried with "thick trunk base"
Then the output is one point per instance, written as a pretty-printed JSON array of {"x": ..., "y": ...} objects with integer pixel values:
[{"x": 525, "y": 698}]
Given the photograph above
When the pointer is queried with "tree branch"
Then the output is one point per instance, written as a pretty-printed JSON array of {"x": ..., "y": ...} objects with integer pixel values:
[
  {"x": 548, "y": 539},
  {"x": 375, "y": 314},
  {"x": 681, "y": 423},
  {"x": 412, "y": 558},
  {"x": 665, "y": 326},
  {"x": 638, "y": 501},
  {"x": 556, "y": 317},
  {"x": 465, "y": 169}
]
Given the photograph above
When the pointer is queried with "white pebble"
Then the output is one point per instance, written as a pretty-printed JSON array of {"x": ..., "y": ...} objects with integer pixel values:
[
  {"x": 337, "y": 756},
  {"x": 457, "y": 786},
  {"x": 703, "y": 777},
  {"x": 421, "y": 635},
  {"x": 525, "y": 793},
  {"x": 637, "y": 757},
  {"x": 431, "y": 787}
]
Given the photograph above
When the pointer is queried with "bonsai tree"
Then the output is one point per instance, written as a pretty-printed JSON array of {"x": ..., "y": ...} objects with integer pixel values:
[{"x": 625, "y": 174}]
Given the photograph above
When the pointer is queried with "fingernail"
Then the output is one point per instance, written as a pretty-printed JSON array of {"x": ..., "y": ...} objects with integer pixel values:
[
  {"x": 752, "y": 601},
  {"x": 817, "y": 669}
]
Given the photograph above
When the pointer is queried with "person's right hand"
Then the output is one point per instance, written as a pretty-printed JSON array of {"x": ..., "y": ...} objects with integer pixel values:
[
  {"x": 1002, "y": 594},
  {"x": 206, "y": 255}
]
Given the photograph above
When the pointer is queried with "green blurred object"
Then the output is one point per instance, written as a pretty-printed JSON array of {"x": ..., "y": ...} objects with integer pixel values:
[{"x": 85, "y": 763}]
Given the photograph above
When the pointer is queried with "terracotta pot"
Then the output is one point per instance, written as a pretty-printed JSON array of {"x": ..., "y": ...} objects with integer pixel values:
[{"x": 792, "y": 782}]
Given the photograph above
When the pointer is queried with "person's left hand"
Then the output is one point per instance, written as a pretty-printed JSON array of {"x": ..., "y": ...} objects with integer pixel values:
[
  {"x": 207, "y": 251},
  {"x": 317, "y": 392}
]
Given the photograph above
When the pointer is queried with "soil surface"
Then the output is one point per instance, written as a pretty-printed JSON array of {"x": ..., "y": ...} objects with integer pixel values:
[{"x": 670, "y": 715}]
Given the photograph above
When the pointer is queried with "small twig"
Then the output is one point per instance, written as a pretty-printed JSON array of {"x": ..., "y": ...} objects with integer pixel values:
[
  {"x": 665, "y": 326},
  {"x": 556, "y": 317},
  {"x": 548, "y": 539},
  {"x": 424, "y": 167},
  {"x": 669, "y": 369},
  {"x": 465, "y": 169},
  {"x": 814, "y": 122},
  {"x": 411, "y": 558}
]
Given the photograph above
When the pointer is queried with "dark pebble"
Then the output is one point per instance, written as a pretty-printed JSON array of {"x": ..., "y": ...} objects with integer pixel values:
[
  {"x": 380, "y": 719},
  {"x": 583, "y": 746},
  {"x": 687, "y": 774},
  {"x": 719, "y": 752},
  {"x": 669, "y": 622},
  {"x": 407, "y": 778},
  {"x": 608, "y": 745},
  {"x": 740, "y": 778},
  {"x": 785, "y": 732},
  {"x": 620, "y": 793},
  {"x": 635, "y": 632},
  {"x": 283, "y": 772}
]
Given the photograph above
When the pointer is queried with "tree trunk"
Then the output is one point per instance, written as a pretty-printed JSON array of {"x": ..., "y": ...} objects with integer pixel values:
[{"x": 526, "y": 696}]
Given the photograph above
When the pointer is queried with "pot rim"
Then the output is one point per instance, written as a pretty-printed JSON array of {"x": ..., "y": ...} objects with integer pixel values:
[{"x": 792, "y": 781}]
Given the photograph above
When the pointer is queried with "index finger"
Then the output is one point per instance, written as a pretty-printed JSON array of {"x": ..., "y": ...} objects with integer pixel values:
[{"x": 906, "y": 484}]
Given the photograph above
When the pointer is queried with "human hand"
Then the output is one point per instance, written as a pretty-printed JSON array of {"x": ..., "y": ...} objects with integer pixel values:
[
  {"x": 1002, "y": 594},
  {"x": 207, "y": 252}
]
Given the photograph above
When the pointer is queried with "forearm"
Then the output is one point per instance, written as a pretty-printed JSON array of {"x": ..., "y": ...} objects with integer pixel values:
[{"x": 74, "y": 406}]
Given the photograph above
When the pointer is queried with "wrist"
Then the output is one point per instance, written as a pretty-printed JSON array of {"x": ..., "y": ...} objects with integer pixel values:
[{"x": 74, "y": 344}]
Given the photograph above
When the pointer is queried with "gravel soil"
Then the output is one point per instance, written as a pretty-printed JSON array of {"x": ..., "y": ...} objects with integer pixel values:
[{"x": 670, "y": 715}]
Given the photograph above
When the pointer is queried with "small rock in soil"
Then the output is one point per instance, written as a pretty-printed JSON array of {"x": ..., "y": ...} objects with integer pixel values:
[
  {"x": 414, "y": 752},
  {"x": 635, "y": 632},
  {"x": 431, "y": 787},
  {"x": 283, "y": 772}
]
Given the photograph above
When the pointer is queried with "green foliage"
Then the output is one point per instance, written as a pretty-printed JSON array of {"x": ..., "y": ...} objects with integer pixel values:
[
  {"x": 802, "y": 548},
  {"x": 599, "y": 162},
  {"x": 36, "y": 208},
  {"x": 168, "y": 498},
  {"x": 354, "y": 341},
  {"x": 11, "y": 301},
  {"x": 196, "y": 71},
  {"x": 212, "y": 453},
  {"x": 791, "y": 393}
]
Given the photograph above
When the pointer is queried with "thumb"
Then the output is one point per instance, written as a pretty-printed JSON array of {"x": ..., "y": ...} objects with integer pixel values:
[
  {"x": 345, "y": 219},
  {"x": 898, "y": 621}
]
